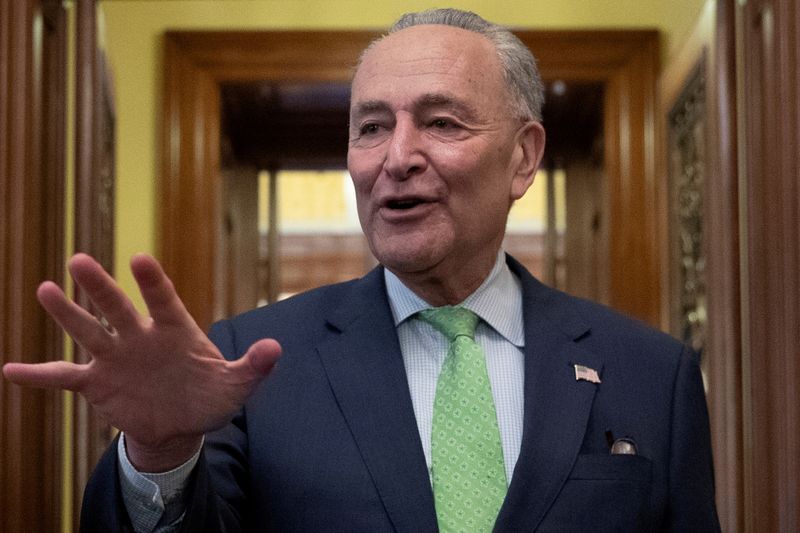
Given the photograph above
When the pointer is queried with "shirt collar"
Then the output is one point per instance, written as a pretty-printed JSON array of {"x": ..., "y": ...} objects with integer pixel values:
[{"x": 498, "y": 301}]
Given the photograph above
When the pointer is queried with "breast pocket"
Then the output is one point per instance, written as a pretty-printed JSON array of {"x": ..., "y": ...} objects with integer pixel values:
[
  {"x": 604, "y": 493},
  {"x": 610, "y": 467}
]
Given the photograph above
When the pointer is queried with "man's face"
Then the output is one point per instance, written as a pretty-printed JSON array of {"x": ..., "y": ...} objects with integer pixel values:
[{"x": 435, "y": 153}]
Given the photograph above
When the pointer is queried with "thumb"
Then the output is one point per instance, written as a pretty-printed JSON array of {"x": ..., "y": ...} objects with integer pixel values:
[{"x": 260, "y": 358}]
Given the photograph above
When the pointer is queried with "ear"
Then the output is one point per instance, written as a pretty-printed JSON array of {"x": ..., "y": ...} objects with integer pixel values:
[{"x": 528, "y": 152}]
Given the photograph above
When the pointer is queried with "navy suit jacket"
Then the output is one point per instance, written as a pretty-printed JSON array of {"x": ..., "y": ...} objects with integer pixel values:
[{"x": 329, "y": 441}]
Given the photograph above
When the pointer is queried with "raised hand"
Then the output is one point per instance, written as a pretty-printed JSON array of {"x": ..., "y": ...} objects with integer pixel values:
[{"x": 158, "y": 378}]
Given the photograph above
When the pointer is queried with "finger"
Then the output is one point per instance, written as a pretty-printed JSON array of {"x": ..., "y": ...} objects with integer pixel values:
[
  {"x": 52, "y": 375},
  {"x": 104, "y": 293},
  {"x": 158, "y": 292},
  {"x": 259, "y": 360},
  {"x": 81, "y": 325}
]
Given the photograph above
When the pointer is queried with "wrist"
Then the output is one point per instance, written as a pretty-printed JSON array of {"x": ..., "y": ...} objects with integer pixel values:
[{"x": 163, "y": 457}]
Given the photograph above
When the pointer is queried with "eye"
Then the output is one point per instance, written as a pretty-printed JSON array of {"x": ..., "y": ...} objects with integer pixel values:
[
  {"x": 444, "y": 124},
  {"x": 369, "y": 132},
  {"x": 369, "y": 128}
]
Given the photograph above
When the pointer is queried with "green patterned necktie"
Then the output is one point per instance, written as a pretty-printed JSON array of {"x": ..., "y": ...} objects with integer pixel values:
[{"x": 469, "y": 477}]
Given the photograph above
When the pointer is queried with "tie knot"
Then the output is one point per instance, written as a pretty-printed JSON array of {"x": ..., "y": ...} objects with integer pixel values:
[{"x": 451, "y": 321}]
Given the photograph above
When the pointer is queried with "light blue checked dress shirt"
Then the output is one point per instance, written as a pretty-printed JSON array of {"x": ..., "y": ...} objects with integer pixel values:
[
  {"x": 498, "y": 302},
  {"x": 501, "y": 334}
]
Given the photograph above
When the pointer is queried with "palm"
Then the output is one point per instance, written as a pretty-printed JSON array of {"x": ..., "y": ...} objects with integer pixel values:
[
  {"x": 168, "y": 369},
  {"x": 158, "y": 378}
]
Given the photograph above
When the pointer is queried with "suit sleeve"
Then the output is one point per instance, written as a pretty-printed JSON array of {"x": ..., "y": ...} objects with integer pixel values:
[
  {"x": 217, "y": 500},
  {"x": 691, "y": 473}
]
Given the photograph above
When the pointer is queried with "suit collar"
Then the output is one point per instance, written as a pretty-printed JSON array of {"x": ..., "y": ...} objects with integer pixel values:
[
  {"x": 544, "y": 304},
  {"x": 498, "y": 301}
]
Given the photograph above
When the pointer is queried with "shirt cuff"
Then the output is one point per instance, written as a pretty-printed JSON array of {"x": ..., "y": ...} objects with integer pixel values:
[{"x": 146, "y": 495}]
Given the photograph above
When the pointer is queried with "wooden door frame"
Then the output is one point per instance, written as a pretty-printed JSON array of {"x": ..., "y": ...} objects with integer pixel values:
[
  {"x": 710, "y": 49},
  {"x": 32, "y": 170},
  {"x": 197, "y": 62},
  {"x": 768, "y": 34}
]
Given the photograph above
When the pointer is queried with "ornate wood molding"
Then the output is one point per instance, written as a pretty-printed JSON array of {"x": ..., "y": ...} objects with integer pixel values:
[
  {"x": 688, "y": 169},
  {"x": 94, "y": 217}
]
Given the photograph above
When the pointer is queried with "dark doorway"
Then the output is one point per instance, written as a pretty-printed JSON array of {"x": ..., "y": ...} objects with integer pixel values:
[{"x": 285, "y": 143}]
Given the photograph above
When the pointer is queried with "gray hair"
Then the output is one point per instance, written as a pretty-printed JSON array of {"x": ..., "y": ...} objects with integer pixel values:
[{"x": 518, "y": 64}]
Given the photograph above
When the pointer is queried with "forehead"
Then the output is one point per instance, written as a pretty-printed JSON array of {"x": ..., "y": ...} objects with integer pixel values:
[{"x": 430, "y": 59}]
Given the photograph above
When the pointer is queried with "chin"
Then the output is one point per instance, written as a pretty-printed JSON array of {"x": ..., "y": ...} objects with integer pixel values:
[
  {"x": 406, "y": 263},
  {"x": 406, "y": 259},
  {"x": 414, "y": 250}
]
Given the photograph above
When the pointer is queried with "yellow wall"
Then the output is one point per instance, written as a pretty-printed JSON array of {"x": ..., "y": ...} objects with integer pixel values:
[{"x": 133, "y": 29}]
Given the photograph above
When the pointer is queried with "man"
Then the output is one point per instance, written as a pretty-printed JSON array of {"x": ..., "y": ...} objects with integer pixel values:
[{"x": 550, "y": 414}]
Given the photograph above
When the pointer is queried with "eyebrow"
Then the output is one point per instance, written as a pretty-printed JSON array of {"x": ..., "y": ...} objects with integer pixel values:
[
  {"x": 426, "y": 102},
  {"x": 368, "y": 106},
  {"x": 447, "y": 101}
]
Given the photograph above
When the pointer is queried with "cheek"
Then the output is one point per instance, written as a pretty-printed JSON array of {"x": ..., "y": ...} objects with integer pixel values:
[
  {"x": 363, "y": 173},
  {"x": 363, "y": 190}
]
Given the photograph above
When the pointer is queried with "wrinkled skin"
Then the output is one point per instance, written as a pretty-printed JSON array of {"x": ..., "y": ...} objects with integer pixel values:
[{"x": 437, "y": 157}]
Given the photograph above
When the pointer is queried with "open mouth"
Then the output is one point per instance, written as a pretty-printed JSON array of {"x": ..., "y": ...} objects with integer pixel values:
[{"x": 404, "y": 204}]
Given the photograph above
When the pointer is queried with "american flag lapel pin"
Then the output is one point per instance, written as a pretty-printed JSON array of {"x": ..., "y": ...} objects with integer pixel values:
[{"x": 587, "y": 374}]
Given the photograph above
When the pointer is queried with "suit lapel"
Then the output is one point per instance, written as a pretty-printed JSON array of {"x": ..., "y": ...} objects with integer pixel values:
[
  {"x": 365, "y": 368},
  {"x": 557, "y": 406}
]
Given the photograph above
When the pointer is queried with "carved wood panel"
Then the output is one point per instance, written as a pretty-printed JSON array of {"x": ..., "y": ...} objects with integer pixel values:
[
  {"x": 93, "y": 216},
  {"x": 688, "y": 185}
]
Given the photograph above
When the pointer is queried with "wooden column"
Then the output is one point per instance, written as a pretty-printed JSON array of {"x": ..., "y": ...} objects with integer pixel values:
[
  {"x": 724, "y": 353},
  {"x": 770, "y": 107},
  {"x": 32, "y": 97}
]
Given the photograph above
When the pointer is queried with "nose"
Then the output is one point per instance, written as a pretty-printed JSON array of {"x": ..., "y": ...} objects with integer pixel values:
[{"x": 405, "y": 155}]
